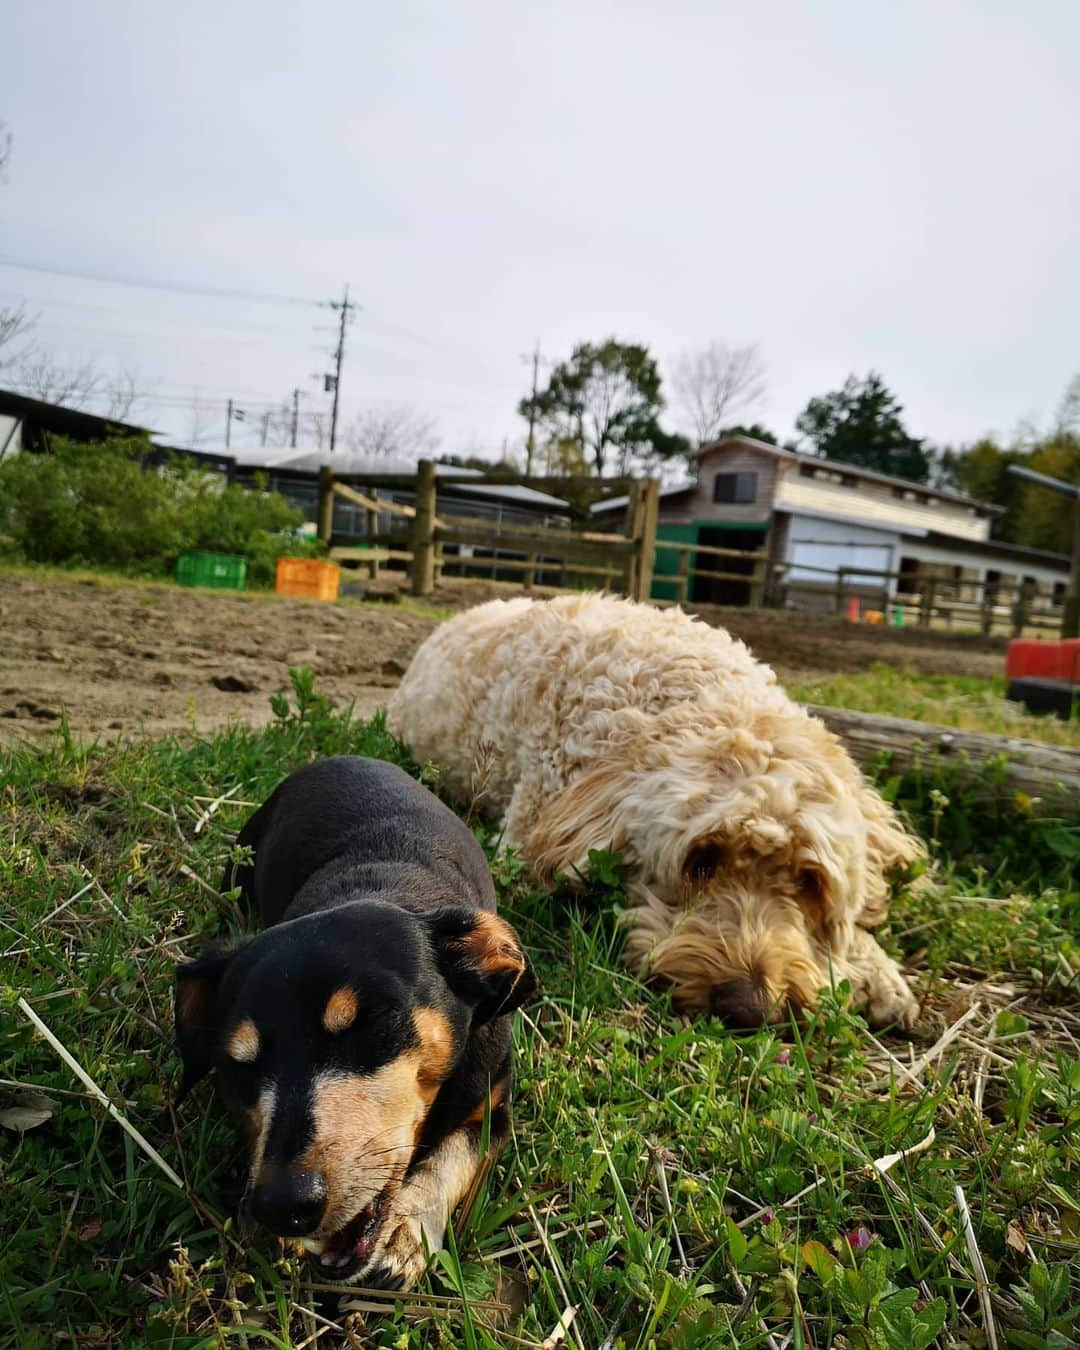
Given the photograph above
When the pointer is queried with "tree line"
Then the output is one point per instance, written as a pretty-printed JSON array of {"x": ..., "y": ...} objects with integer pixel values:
[
  {"x": 606, "y": 411},
  {"x": 603, "y": 411}
]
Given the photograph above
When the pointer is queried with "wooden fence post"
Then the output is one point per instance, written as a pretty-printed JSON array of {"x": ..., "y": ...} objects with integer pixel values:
[
  {"x": 839, "y": 590},
  {"x": 633, "y": 527},
  {"x": 757, "y": 583},
  {"x": 1070, "y": 613},
  {"x": 529, "y": 575},
  {"x": 926, "y": 603},
  {"x": 1020, "y": 609},
  {"x": 372, "y": 531},
  {"x": 986, "y": 609},
  {"x": 682, "y": 583},
  {"x": 423, "y": 531},
  {"x": 326, "y": 504},
  {"x": 645, "y": 543}
]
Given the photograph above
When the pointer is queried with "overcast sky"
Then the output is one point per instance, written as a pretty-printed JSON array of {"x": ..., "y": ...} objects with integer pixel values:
[{"x": 851, "y": 184}]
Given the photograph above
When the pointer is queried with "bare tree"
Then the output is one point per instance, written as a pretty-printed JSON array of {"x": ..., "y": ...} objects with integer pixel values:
[
  {"x": 711, "y": 385},
  {"x": 200, "y": 417},
  {"x": 41, "y": 376},
  {"x": 35, "y": 371},
  {"x": 121, "y": 396},
  {"x": 398, "y": 432},
  {"x": 278, "y": 423},
  {"x": 317, "y": 427},
  {"x": 1067, "y": 418},
  {"x": 15, "y": 327}
]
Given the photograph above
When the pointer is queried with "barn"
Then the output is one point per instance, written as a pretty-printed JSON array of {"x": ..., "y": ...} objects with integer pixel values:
[{"x": 813, "y": 517}]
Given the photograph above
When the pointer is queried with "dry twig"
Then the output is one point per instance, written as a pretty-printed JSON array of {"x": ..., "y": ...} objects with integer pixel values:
[{"x": 982, "y": 1283}]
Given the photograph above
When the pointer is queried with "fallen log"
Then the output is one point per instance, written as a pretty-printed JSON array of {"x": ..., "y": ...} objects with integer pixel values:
[{"x": 1046, "y": 771}]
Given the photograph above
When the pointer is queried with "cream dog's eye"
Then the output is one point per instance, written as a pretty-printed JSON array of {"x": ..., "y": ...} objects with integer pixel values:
[{"x": 703, "y": 861}]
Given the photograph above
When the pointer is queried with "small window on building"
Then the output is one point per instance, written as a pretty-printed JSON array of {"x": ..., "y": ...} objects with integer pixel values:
[
  {"x": 735, "y": 488},
  {"x": 1059, "y": 593},
  {"x": 826, "y": 475}
]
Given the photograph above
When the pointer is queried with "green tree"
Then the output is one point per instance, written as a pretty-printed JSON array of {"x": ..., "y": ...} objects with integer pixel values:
[
  {"x": 606, "y": 401},
  {"x": 1030, "y": 515},
  {"x": 109, "y": 505},
  {"x": 504, "y": 464},
  {"x": 861, "y": 424},
  {"x": 755, "y": 431},
  {"x": 1045, "y": 519}
]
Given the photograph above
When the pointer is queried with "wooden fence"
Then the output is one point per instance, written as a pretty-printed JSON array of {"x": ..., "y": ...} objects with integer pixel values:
[
  {"x": 432, "y": 546},
  {"x": 928, "y": 601}
]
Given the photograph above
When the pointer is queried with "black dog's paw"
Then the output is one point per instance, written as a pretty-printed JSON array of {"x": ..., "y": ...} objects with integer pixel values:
[
  {"x": 382, "y": 1277},
  {"x": 401, "y": 1253}
]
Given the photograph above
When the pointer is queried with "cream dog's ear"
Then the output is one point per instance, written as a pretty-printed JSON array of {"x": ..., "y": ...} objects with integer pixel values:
[
  {"x": 889, "y": 849},
  {"x": 587, "y": 814}
]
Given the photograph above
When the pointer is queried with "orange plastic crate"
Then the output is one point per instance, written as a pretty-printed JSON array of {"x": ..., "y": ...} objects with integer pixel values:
[{"x": 307, "y": 577}]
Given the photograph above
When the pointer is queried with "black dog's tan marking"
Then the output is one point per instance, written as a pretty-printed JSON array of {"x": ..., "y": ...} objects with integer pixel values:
[
  {"x": 364, "y": 1036},
  {"x": 242, "y": 1043},
  {"x": 340, "y": 1011}
]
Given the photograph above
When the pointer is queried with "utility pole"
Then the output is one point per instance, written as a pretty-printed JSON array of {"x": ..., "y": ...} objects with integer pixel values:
[
  {"x": 530, "y": 444},
  {"x": 232, "y": 414},
  {"x": 295, "y": 417},
  {"x": 345, "y": 307}
]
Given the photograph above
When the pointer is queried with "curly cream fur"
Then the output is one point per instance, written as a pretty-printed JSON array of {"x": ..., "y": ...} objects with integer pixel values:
[{"x": 601, "y": 724}]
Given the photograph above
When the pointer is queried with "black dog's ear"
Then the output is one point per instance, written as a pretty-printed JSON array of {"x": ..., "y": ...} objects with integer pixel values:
[
  {"x": 195, "y": 1011},
  {"x": 481, "y": 960}
]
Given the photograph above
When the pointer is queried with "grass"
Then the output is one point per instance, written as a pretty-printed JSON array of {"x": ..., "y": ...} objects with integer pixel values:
[
  {"x": 965, "y": 702},
  {"x": 674, "y": 1185}
]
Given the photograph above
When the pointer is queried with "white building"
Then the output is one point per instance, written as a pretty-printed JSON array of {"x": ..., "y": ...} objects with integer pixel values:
[{"x": 815, "y": 516}]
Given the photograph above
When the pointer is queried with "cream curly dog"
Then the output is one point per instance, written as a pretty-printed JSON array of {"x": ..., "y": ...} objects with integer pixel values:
[{"x": 758, "y": 857}]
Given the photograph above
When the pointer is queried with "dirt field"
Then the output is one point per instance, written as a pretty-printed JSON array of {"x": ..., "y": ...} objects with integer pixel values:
[{"x": 124, "y": 658}]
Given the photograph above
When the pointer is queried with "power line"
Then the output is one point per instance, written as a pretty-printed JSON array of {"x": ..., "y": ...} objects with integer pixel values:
[
  {"x": 146, "y": 284},
  {"x": 255, "y": 334},
  {"x": 397, "y": 329}
]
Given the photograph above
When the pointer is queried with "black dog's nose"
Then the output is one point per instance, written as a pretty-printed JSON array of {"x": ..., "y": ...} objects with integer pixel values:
[
  {"x": 289, "y": 1203},
  {"x": 743, "y": 1005}
]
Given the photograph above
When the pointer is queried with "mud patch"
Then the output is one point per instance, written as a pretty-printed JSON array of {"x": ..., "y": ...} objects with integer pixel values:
[{"x": 120, "y": 658}]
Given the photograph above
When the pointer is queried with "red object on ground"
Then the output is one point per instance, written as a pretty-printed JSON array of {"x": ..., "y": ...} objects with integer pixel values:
[
  {"x": 1069, "y": 661},
  {"x": 1029, "y": 658},
  {"x": 852, "y": 612}
]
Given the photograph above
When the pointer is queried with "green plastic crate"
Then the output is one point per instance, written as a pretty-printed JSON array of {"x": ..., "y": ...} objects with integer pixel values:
[{"x": 227, "y": 571}]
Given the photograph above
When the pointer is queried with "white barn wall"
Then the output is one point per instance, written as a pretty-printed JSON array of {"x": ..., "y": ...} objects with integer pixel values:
[{"x": 814, "y": 542}]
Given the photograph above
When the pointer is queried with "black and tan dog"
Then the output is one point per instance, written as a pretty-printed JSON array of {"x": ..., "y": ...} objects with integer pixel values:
[{"x": 363, "y": 1034}]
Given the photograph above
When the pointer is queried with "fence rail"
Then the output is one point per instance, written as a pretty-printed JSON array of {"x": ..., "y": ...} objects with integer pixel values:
[{"x": 430, "y": 545}]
